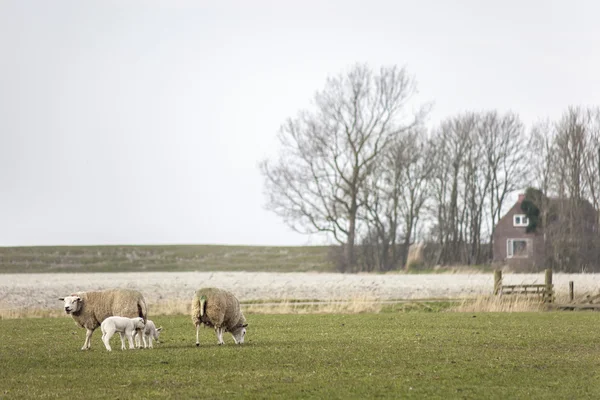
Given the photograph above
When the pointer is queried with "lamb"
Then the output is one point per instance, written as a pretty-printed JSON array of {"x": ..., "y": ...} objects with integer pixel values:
[
  {"x": 125, "y": 326},
  {"x": 150, "y": 332},
  {"x": 89, "y": 309},
  {"x": 220, "y": 309}
]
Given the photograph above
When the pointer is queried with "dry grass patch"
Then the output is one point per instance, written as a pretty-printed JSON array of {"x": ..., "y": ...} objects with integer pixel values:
[
  {"x": 357, "y": 305},
  {"x": 16, "y": 313},
  {"x": 289, "y": 306},
  {"x": 170, "y": 307},
  {"x": 500, "y": 304},
  {"x": 361, "y": 304}
]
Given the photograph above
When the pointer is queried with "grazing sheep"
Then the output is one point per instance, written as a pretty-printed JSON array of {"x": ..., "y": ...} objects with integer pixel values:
[
  {"x": 125, "y": 326},
  {"x": 220, "y": 309},
  {"x": 150, "y": 332},
  {"x": 89, "y": 309}
]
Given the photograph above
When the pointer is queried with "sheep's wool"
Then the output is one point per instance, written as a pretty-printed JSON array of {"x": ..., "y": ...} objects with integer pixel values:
[{"x": 222, "y": 309}]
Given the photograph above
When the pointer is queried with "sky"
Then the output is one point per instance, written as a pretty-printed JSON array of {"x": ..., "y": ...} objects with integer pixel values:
[{"x": 143, "y": 122}]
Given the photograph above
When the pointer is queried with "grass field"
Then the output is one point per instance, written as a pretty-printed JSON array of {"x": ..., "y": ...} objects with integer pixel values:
[
  {"x": 387, "y": 355},
  {"x": 164, "y": 258}
]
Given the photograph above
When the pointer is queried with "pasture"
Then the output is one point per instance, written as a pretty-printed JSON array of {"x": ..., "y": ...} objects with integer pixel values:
[{"x": 434, "y": 355}]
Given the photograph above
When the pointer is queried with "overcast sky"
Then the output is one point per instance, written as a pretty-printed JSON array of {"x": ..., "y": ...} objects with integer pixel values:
[{"x": 143, "y": 122}]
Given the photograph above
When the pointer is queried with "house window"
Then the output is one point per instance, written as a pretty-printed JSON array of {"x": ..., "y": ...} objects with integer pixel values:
[
  {"x": 518, "y": 248},
  {"x": 520, "y": 220}
]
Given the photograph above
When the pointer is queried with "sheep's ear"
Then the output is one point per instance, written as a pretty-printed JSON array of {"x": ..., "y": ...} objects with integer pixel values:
[
  {"x": 245, "y": 325},
  {"x": 61, "y": 298},
  {"x": 159, "y": 329}
]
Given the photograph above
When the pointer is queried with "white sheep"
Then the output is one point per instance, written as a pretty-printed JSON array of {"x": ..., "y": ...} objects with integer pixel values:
[
  {"x": 220, "y": 309},
  {"x": 126, "y": 328},
  {"x": 89, "y": 309},
  {"x": 150, "y": 332}
]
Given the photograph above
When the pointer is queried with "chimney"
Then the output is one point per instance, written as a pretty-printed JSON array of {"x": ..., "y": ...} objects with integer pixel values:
[{"x": 521, "y": 197}]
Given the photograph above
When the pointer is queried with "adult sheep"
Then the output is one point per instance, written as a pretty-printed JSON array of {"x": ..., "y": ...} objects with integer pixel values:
[
  {"x": 89, "y": 309},
  {"x": 219, "y": 309}
]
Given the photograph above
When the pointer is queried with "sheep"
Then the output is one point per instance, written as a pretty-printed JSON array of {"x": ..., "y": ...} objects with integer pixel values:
[
  {"x": 220, "y": 309},
  {"x": 125, "y": 326},
  {"x": 89, "y": 309},
  {"x": 150, "y": 332}
]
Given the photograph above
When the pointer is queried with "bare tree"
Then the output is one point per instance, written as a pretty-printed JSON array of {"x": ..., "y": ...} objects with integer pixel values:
[
  {"x": 419, "y": 158},
  {"x": 394, "y": 197},
  {"x": 570, "y": 144},
  {"x": 328, "y": 153},
  {"x": 381, "y": 216},
  {"x": 452, "y": 141},
  {"x": 481, "y": 159}
]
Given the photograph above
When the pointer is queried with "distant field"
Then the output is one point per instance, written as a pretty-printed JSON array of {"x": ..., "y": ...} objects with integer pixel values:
[
  {"x": 164, "y": 258},
  {"x": 416, "y": 355}
]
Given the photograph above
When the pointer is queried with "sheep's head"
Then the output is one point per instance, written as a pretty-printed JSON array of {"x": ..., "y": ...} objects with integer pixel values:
[
  {"x": 157, "y": 332},
  {"x": 72, "y": 303},
  {"x": 138, "y": 323},
  {"x": 239, "y": 333}
]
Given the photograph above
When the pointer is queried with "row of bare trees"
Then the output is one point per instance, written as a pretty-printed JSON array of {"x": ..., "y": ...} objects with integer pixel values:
[
  {"x": 362, "y": 168},
  {"x": 566, "y": 165}
]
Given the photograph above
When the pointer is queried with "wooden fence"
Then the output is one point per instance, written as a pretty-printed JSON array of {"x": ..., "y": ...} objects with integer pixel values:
[
  {"x": 545, "y": 290},
  {"x": 547, "y": 293}
]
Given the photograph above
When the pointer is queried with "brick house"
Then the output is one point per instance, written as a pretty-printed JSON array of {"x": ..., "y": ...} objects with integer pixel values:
[
  {"x": 570, "y": 237},
  {"x": 512, "y": 245}
]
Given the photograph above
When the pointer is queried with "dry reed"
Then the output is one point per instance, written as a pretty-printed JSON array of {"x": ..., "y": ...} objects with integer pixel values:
[
  {"x": 357, "y": 305},
  {"x": 506, "y": 303}
]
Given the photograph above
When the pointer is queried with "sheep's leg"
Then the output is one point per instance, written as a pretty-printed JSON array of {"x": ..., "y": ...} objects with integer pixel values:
[
  {"x": 139, "y": 338},
  {"x": 219, "y": 331},
  {"x": 106, "y": 339},
  {"x": 88, "y": 339},
  {"x": 122, "y": 340},
  {"x": 130, "y": 339},
  {"x": 144, "y": 338},
  {"x": 149, "y": 342},
  {"x": 197, "y": 334}
]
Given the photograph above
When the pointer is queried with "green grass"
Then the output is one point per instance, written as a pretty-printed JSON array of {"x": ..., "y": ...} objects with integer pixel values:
[
  {"x": 164, "y": 258},
  {"x": 388, "y": 355}
]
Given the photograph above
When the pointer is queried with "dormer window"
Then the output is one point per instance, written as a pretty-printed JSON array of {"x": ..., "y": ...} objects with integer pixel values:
[{"x": 520, "y": 220}]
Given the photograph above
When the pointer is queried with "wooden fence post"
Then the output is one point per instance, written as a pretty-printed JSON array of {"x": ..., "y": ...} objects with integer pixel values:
[
  {"x": 497, "y": 282},
  {"x": 548, "y": 295},
  {"x": 571, "y": 291}
]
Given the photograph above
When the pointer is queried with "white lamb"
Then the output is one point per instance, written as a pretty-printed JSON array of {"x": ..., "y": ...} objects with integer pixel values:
[
  {"x": 125, "y": 326},
  {"x": 150, "y": 332}
]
